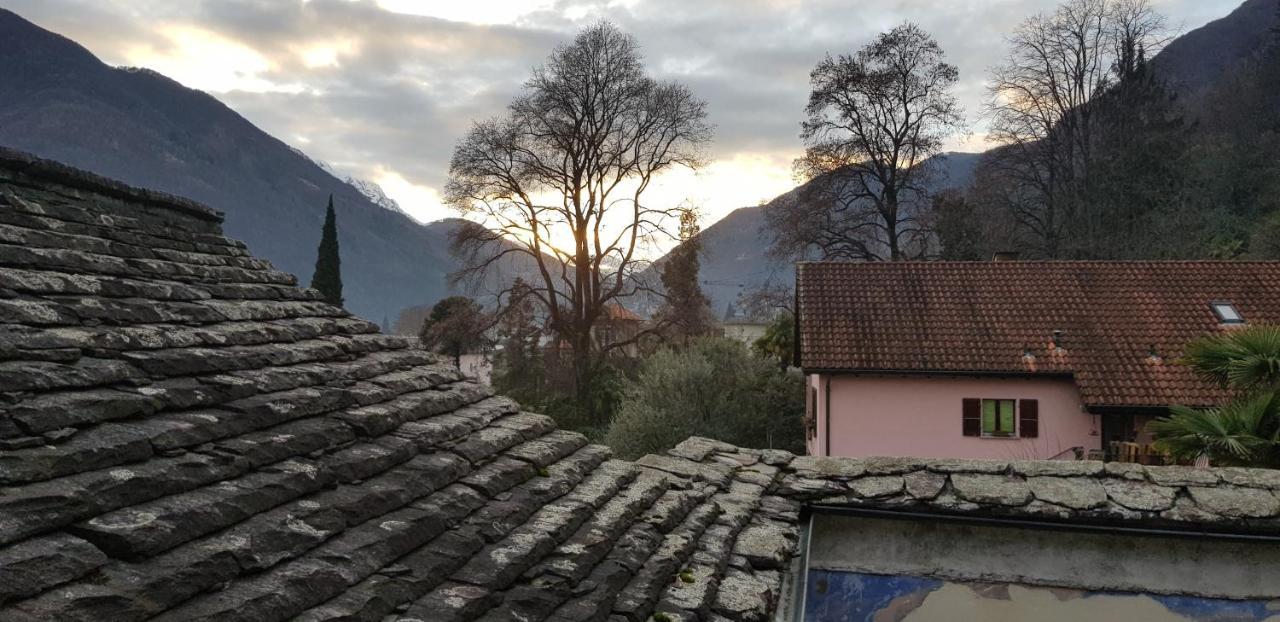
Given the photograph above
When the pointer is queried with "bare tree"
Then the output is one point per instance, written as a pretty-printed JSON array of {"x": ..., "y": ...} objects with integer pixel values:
[
  {"x": 874, "y": 117},
  {"x": 561, "y": 180},
  {"x": 1040, "y": 106}
]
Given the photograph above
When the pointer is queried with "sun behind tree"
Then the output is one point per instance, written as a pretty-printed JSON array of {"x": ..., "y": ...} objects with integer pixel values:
[{"x": 572, "y": 160}]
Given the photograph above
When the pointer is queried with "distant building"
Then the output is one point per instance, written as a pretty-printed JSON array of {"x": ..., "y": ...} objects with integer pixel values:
[
  {"x": 742, "y": 326},
  {"x": 618, "y": 325},
  {"x": 1012, "y": 359}
]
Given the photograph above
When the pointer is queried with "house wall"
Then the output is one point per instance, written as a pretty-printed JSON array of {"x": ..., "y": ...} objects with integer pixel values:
[
  {"x": 746, "y": 333},
  {"x": 920, "y": 416}
]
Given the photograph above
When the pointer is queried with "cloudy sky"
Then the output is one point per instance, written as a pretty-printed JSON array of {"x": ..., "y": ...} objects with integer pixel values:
[{"x": 381, "y": 89}]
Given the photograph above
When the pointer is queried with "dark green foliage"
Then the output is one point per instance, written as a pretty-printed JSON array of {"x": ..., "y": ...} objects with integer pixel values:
[
  {"x": 957, "y": 223},
  {"x": 327, "y": 278},
  {"x": 1237, "y": 146},
  {"x": 457, "y": 325},
  {"x": 686, "y": 313},
  {"x": 1245, "y": 431},
  {"x": 540, "y": 376},
  {"x": 1145, "y": 165},
  {"x": 604, "y": 397},
  {"x": 1245, "y": 360},
  {"x": 1265, "y": 242},
  {"x": 1137, "y": 183},
  {"x": 547, "y": 387},
  {"x": 518, "y": 369},
  {"x": 715, "y": 388},
  {"x": 779, "y": 340}
]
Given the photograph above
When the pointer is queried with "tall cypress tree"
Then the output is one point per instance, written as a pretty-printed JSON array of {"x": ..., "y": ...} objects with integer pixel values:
[
  {"x": 328, "y": 275},
  {"x": 686, "y": 309}
]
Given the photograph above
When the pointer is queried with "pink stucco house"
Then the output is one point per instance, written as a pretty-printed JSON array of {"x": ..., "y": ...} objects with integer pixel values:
[{"x": 1010, "y": 359}]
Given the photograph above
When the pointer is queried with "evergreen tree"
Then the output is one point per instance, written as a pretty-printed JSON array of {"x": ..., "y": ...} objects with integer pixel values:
[
  {"x": 687, "y": 311},
  {"x": 456, "y": 326},
  {"x": 327, "y": 277},
  {"x": 1133, "y": 195},
  {"x": 518, "y": 368}
]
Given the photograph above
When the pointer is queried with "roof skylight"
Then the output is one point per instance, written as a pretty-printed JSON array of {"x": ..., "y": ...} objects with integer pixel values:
[{"x": 1226, "y": 312}]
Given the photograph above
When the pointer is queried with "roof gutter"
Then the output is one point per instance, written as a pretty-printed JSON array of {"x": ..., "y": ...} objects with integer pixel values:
[
  {"x": 1113, "y": 409},
  {"x": 851, "y": 371}
]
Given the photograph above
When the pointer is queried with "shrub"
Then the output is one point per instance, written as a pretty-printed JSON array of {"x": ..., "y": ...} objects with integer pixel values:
[{"x": 715, "y": 388}]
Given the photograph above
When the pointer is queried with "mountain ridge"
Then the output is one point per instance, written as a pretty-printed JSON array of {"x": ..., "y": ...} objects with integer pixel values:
[
  {"x": 735, "y": 248},
  {"x": 59, "y": 101}
]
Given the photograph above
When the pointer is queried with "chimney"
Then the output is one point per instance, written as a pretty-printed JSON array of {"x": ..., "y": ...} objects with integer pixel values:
[
  {"x": 1055, "y": 344},
  {"x": 1004, "y": 256}
]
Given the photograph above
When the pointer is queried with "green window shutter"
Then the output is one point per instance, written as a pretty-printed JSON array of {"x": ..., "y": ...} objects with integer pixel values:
[
  {"x": 1006, "y": 416},
  {"x": 989, "y": 417}
]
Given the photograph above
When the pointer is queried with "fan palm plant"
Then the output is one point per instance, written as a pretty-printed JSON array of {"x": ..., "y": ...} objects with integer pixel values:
[
  {"x": 1245, "y": 431},
  {"x": 1244, "y": 360}
]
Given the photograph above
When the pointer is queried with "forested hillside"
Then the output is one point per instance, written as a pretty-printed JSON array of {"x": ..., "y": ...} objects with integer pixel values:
[{"x": 1171, "y": 158}]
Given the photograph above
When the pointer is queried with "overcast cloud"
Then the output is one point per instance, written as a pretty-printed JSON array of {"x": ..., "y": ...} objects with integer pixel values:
[{"x": 382, "y": 90}]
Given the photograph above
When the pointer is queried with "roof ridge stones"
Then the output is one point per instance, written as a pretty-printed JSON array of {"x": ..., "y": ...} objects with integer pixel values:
[
  {"x": 1224, "y": 501},
  {"x": 1227, "y": 500},
  {"x": 20, "y": 167}
]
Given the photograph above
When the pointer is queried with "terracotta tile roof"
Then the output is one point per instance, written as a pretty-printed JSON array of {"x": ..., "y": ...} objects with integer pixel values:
[
  {"x": 987, "y": 316},
  {"x": 618, "y": 313}
]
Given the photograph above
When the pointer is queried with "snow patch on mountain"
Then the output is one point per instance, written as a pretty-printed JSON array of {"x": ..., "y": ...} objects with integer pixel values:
[{"x": 369, "y": 189}]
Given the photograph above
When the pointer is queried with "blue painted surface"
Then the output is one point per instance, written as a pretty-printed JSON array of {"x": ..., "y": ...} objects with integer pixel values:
[
  {"x": 1215, "y": 610},
  {"x": 859, "y": 597}
]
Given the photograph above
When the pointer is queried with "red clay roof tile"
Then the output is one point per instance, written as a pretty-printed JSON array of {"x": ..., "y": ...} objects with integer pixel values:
[{"x": 987, "y": 316}]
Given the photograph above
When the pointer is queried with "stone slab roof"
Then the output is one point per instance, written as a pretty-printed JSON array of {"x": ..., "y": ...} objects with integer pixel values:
[
  {"x": 986, "y": 317},
  {"x": 186, "y": 435}
]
